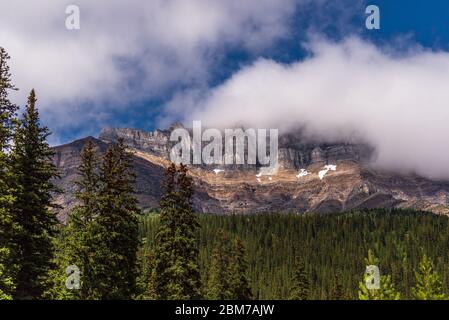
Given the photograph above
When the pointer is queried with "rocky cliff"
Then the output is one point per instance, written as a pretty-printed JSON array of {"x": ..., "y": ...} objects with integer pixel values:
[{"x": 312, "y": 177}]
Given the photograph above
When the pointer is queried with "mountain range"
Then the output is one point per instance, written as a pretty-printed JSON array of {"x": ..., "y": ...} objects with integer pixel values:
[{"x": 312, "y": 177}]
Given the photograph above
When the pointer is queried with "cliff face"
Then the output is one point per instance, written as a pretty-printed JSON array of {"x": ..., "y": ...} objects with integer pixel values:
[
  {"x": 294, "y": 152},
  {"x": 312, "y": 177}
]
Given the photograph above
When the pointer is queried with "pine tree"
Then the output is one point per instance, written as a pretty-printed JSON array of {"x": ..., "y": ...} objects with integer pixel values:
[
  {"x": 386, "y": 290},
  {"x": 176, "y": 252},
  {"x": 7, "y": 108},
  {"x": 33, "y": 171},
  {"x": 7, "y": 227},
  {"x": 219, "y": 284},
  {"x": 240, "y": 288},
  {"x": 428, "y": 283},
  {"x": 81, "y": 228},
  {"x": 115, "y": 228},
  {"x": 300, "y": 289},
  {"x": 78, "y": 244}
]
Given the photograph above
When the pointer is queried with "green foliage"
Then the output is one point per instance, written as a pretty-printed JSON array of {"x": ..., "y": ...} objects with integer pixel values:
[
  {"x": 220, "y": 276},
  {"x": 78, "y": 245},
  {"x": 240, "y": 288},
  {"x": 337, "y": 292},
  {"x": 176, "y": 266},
  {"x": 146, "y": 278},
  {"x": 101, "y": 237},
  {"x": 300, "y": 289},
  {"x": 428, "y": 282},
  {"x": 7, "y": 282},
  {"x": 328, "y": 245},
  {"x": 227, "y": 275},
  {"x": 386, "y": 290},
  {"x": 32, "y": 169},
  {"x": 8, "y": 110},
  {"x": 115, "y": 228}
]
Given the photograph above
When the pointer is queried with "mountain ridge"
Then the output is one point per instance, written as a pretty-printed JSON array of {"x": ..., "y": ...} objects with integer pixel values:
[{"x": 312, "y": 177}]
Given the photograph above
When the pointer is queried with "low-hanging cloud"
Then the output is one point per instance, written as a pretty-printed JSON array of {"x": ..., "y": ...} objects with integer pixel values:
[{"x": 399, "y": 103}]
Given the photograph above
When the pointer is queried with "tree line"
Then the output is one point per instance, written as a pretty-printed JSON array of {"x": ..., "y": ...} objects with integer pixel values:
[{"x": 315, "y": 256}]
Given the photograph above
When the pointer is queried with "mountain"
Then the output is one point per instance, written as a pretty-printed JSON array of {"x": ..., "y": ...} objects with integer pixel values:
[{"x": 312, "y": 177}]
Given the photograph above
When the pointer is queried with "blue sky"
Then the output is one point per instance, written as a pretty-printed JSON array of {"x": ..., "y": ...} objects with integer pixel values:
[{"x": 125, "y": 90}]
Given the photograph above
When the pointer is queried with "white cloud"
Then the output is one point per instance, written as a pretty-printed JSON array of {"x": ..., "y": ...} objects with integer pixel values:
[
  {"x": 168, "y": 43},
  {"x": 398, "y": 103}
]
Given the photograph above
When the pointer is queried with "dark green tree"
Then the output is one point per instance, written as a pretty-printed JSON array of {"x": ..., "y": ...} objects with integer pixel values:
[
  {"x": 78, "y": 241},
  {"x": 300, "y": 289},
  {"x": 115, "y": 228},
  {"x": 220, "y": 279},
  {"x": 33, "y": 171},
  {"x": 7, "y": 117},
  {"x": 240, "y": 288},
  {"x": 177, "y": 273}
]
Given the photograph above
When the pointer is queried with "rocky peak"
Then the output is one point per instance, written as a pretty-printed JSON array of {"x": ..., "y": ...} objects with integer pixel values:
[
  {"x": 295, "y": 152},
  {"x": 154, "y": 142}
]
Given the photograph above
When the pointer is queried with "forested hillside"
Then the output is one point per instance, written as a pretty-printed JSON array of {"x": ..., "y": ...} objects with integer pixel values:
[{"x": 332, "y": 247}]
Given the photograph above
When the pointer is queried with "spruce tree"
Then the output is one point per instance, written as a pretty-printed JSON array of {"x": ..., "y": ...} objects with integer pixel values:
[
  {"x": 7, "y": 108},
  {"x": 240, "y": 288},
  {"x": 176, "y": 266},
  {"x": 428, "y": 282},
  {"x": 81, "y": 230},
  {"x": 7, "y": 227},
  {"x": 300, "y": 289},
  {"x": 220, "y": 280},
  {"x": 115, "y": 228},
  {"x": 386, "y": 290},
  {"x": 33, "y": 171},
  {"x": 78, "y": 243}
]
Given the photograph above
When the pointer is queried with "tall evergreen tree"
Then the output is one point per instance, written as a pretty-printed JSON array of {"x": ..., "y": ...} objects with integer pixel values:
[
  {"x": 428, "y": 283},
  {"x": 7, "y": 116},
  {"x": 7, "y": 108},
  {"x": 78, "y": 241},
  {"x": 115, "y": 227},
  {"x": 386, "y": 290},
  {"x": 33, "y": 171},
  {"x": 220, "y": 279},
  {"x": 300, "y": 289},
  {"x": 240, "y": 288},
  {"x": 176, "y": 252}
]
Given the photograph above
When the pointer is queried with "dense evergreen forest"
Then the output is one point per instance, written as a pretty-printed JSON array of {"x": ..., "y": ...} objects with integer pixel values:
[
  {"x": 333, "y": 248},
  {"x": 109, "y": 249}
]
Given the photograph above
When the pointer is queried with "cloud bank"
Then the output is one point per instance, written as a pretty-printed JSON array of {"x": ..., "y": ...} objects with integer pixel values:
[
  {"x": 130, "y": 51},
  {"x": 397, "y": 102},
  {"x": 127, "y": 51}
]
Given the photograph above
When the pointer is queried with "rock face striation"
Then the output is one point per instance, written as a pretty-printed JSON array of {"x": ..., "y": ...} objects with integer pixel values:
[{"x": 311, "y": 177}]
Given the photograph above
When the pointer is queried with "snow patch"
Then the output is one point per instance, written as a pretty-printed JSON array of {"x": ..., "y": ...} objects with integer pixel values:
[
  {"x": 326, "y": 169},
  {"x": 217, "y": 171},
  {"x": 302, "y": 173}
]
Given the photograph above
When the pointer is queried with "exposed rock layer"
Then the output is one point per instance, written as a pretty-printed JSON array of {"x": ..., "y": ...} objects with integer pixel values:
[{"x": 237, "y": 189}]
